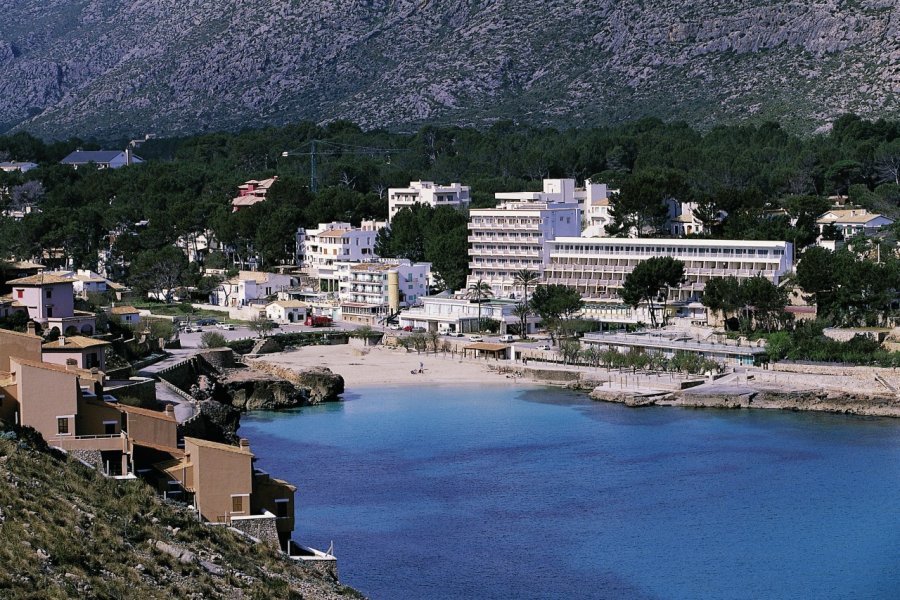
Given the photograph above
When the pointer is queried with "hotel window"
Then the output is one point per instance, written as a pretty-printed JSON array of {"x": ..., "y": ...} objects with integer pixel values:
[
  {"x": 62, "y": 425},
  {"x": 20, "y": 293},
  {"x": 237, "y": 504},
  {"x": 49, "y": 293}
]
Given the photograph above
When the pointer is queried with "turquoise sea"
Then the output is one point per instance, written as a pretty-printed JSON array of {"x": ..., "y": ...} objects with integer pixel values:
[{"x": 495, "y": 492}]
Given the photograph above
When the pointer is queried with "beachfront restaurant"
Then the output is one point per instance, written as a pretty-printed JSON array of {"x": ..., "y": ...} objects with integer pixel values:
[
  {"x": 487, "y": 350},
  {"x": 728, "y": 353}
]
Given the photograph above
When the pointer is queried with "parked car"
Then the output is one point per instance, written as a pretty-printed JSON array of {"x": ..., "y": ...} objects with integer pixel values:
[
  {"x": 506, "y": 338},
  {"x": 394, "y": 327},
  {"x": 544, "y": 347},
  {"x": 226, "y": 326},
  {"x": 193, "y": 329},
  {"x": 418, "y": 330},
  {"x": 475, "y": 338},
  {"x": 407, "y": 328}
]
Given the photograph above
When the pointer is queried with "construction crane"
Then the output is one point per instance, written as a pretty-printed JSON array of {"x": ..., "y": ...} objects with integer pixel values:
[{"x": 317, "y": 148}]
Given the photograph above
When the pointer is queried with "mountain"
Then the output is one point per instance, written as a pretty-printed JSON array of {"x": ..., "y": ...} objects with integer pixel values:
[{"x": 108, "y": 67}]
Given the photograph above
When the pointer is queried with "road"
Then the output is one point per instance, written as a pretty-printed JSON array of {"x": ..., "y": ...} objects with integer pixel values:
[{"x": 192, "y": 340}]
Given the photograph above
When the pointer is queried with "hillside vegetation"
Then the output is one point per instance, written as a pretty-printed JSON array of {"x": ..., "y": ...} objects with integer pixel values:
[
  {"x": 68, "y": 532},
  {"x": 105, "y": 68}
]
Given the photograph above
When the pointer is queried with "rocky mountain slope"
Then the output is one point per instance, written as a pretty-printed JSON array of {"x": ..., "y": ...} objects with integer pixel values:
[{"x": 105, "y": 67}]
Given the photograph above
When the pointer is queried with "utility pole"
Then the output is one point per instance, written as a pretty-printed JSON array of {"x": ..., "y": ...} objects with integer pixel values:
[{"x": 313, "y": 183}]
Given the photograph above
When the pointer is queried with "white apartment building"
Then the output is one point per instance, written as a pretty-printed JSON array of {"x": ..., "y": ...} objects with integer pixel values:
[
  {"x": 445, "y": 313},
  {"x": 593, "y": 199},
  {"x": 597, "y": 268},
  {"x": 371, "y": 290},
  {"x": 426, "y": 192},
  {"x": 513, "y": 237},
  {"x": 250, "y": 287},
  {"x": 319, "y": 249}
]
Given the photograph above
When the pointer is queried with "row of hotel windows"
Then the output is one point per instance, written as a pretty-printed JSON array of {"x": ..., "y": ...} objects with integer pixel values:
[{"x": 662, "y": 250}]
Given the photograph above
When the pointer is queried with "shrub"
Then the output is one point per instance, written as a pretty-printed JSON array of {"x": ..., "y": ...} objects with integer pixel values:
[{"x": 212, "y": 339}]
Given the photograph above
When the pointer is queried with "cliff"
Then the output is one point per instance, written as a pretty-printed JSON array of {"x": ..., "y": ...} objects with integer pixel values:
[
  {"x": 68, "y": 532},
  {"x": 107, "y": 68}
]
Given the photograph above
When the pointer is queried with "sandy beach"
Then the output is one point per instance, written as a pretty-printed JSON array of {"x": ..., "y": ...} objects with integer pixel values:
[{"x": 376, "y": 366}]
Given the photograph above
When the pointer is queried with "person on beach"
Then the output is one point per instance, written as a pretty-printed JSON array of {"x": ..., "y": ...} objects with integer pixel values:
[{"x": 421, "y": 367}]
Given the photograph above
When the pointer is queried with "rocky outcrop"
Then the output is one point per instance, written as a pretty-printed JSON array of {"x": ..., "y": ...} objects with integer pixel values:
[
  {"x": 97, "y": 68},
  {"x": 248, "y": 389},
  {"x": 809, "y": 400},
  {"x": 215, "y": 421},
  {"x": 321, "y": 384}
]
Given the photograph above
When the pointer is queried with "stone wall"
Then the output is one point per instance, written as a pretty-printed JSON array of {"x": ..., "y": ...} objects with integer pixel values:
[
  {"x": 260, "y": 527},
  {"x": 142, "y": 389},
  {"x": 91, "y": 457},
  {"x": 219, "y": 358}
]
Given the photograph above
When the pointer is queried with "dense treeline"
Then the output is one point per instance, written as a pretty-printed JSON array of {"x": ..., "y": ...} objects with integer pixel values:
[{"x": 186, "y": 186}]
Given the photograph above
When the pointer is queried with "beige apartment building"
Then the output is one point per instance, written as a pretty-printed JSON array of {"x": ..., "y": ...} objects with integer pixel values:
[{"x": 225, "y": 489}]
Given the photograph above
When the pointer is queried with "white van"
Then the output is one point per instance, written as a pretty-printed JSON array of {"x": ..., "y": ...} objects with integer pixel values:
[{"x": 506, "y": 338}]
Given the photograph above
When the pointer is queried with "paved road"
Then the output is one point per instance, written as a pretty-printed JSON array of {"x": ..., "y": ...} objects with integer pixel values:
[{"x": 192, "y": 340}]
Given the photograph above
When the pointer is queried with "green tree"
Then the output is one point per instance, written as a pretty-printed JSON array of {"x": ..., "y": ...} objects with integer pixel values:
[
  {"x": 723, "y": 294},
  {"x": 556, "y": 304},
  {"x": 525, "y": 278},
  {"x": 650, "y": 282},
  {"x": 640, "y": 206},
  {"x": 478, "y": 291},
  {"x": 260, "y": 326},
  {"x": 816, "y": 275},
  {"x": 160, "y": 272}
]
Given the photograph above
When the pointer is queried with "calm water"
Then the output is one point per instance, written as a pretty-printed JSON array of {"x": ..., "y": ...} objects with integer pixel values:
[{"x": 498, "y": 493}]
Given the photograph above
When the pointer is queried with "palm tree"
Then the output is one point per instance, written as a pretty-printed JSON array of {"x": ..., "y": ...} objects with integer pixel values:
[
  {"x": 477, "y": 291},
  {"x": 525, "y": 278},
  {"x": 521, "y": 311}
]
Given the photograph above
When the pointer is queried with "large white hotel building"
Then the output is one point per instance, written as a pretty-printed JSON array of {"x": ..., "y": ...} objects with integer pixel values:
[{"x": 597, "y": 267}]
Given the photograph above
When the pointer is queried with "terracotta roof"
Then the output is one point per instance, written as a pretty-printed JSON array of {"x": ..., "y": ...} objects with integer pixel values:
[
  {"x": 156, "y": 414},
  {"x": 20, "y": 334},
  {"x": 486, "y": 346},
  {"x": 218, "y": 446},
  {"x": 123, "y": 310},
  {"x": 51, "y": 367},
  {"x": 364, "y": 267},
  {"x": 246, "y": 200},
  {"x": 173, "y": 451},
  {"x": 74, "y": 342},
  {"x": 257, "y": 276},
  {"x": 289, "y": 304},
  {"x": 333, "y": 233},
  {"x": 40, "y": 279},
  {"x": 858, "y": 215}
]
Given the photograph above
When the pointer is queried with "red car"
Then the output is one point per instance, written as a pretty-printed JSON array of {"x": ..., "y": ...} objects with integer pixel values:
[{"x": 408, "y": 328}]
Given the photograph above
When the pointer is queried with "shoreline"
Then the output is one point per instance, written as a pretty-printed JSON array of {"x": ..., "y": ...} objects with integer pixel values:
[{"x": 378, "y": 366}]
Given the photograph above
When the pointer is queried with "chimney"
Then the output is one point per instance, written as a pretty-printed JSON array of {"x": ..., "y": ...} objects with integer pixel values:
[
  {"x": 170, "y": 410},
  {"x": 31, "y": 328},
  {"x": 127, "y": 156},
  {"x": 244, "y": 444},
  {"x": 62, "y": 340}
]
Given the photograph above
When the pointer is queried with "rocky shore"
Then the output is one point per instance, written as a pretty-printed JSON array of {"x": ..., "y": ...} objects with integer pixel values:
[{"x": 749, "y": 397}]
